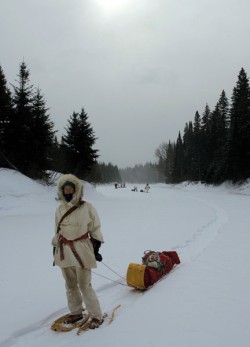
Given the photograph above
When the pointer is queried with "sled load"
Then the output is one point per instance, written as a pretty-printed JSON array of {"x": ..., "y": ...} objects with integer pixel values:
[{"x": 155, "y": 265}]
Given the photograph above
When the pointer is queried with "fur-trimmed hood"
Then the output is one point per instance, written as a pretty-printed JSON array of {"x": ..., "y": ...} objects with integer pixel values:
[{"x": 78, "y": 188}]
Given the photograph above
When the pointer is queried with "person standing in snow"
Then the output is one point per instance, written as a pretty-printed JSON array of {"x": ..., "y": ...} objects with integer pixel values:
[
  {"x": 76, "y": 243},
  {"x": 146, "y": 189}
]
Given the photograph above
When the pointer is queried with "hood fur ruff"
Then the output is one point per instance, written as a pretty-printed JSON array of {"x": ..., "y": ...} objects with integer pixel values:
[{"x": 78, "y": 188}]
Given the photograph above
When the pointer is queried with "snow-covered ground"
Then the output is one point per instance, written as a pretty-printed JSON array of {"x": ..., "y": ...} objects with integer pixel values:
[{"x": 203, "y": 302}]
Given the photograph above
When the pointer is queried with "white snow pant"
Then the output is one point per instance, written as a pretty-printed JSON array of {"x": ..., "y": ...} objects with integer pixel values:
[{"x": 79, "y": 290}]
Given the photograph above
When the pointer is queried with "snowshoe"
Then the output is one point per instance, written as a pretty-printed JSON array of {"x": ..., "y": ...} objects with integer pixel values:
[{"x": 66, "y": 323}]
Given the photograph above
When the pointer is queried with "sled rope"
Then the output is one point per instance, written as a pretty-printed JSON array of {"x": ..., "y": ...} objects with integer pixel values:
[
  {"x": 109, "y": 279},
  {"x": 113, "y": 270}
]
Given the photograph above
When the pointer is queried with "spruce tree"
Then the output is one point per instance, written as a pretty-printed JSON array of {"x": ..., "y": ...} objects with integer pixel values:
[
  {"x": 5, "y": 118},
  {"x": 217, "y": 170},
  {"x": 206, "y": 150},
  {"x": 188, "y": 148},
  {"x": 169, "y": 163},
  {"x": 57, "y": 156},
  {"x": 30, "y": 131},
  {"x": 178, "y": 160},
  {"x": 43, "y": 137},
  {"x": 96, "y": 174},
  {"x": 78, "y": 144},
  {"x": 198, "y": 150},
  {"x": 20, "y": 147},
  {"x": 239, "y": 135}
]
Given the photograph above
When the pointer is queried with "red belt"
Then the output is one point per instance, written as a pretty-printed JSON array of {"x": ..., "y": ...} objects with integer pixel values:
[{"x": 64, "y": 241}]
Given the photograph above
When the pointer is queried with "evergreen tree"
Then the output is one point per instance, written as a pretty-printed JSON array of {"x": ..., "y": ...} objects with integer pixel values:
[
  {"x": 20, "y": 135},
  {"x": 95, "y": 175},
  {"x": 198, "y": 150},
  {"x": 239, "y": 135},
  {"x": 77, "y": 145},
  {"x": 30, "y": 135},
  {"x": 206, "y": 150},
  {"x": 57, "y": 156},
  {"x": 5, "y": 117},
  {"x": 217, "y": 170},
  {"x": 43, "y": 136},
  {"x": 188, "y": 148},
  {"x": 178, "y": 160},
  {"x": 170, "y": 162}
]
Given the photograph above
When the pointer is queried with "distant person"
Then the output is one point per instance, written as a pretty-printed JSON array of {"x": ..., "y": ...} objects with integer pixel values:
[
  {"x": 116, "y": 185},
  {"x": 76, "y": 243},
  {"x": 146, "y": 189}
]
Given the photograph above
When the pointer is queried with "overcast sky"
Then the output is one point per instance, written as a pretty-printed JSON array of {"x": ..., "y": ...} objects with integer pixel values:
[{"x": 139, "y": 68}]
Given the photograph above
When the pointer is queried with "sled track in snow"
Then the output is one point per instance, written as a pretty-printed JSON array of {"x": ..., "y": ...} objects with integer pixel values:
[
  {"x": 40, "y": 325},
  {"x": 204, "y": 236},
  {"x": 39, "y": 331}
]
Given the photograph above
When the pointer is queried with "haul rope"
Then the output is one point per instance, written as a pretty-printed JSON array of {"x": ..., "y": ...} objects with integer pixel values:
[
  {"x": 109, "y": 279},
  {"x": 113, "y": 270}
]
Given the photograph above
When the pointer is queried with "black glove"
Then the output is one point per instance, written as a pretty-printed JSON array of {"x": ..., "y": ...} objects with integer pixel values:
[
  {"x": 96, "y": 245},
  {"x": 98, "y": 257}
]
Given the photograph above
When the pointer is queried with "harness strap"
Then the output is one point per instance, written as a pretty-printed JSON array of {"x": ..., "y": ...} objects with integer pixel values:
[
  {"x": 73, "y": 208},
  {"x": 70, "y": 243}
]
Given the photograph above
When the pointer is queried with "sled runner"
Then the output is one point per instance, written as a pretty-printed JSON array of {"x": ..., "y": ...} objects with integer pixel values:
[{"x": 155, "y": 265}]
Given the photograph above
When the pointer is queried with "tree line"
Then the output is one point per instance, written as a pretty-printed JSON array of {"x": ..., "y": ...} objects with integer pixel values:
[
  {"x": 215, "y": 146},
  {"x": 147, "y": 173},
  {"x": 28, "y": 141}
]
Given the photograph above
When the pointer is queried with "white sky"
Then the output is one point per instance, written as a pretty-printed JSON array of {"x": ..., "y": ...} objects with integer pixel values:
[{"x": 140, "y": 69}]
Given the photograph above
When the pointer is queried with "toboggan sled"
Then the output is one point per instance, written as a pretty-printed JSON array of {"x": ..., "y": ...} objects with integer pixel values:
[{"x": 155, "y": 265}]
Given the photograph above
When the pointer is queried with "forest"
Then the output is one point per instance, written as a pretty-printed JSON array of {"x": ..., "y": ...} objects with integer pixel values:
[{"x": 215, "y": 146}]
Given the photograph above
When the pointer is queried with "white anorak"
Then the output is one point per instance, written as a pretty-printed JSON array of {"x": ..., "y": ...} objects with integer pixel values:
[{"x": 81, "y": 221}]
